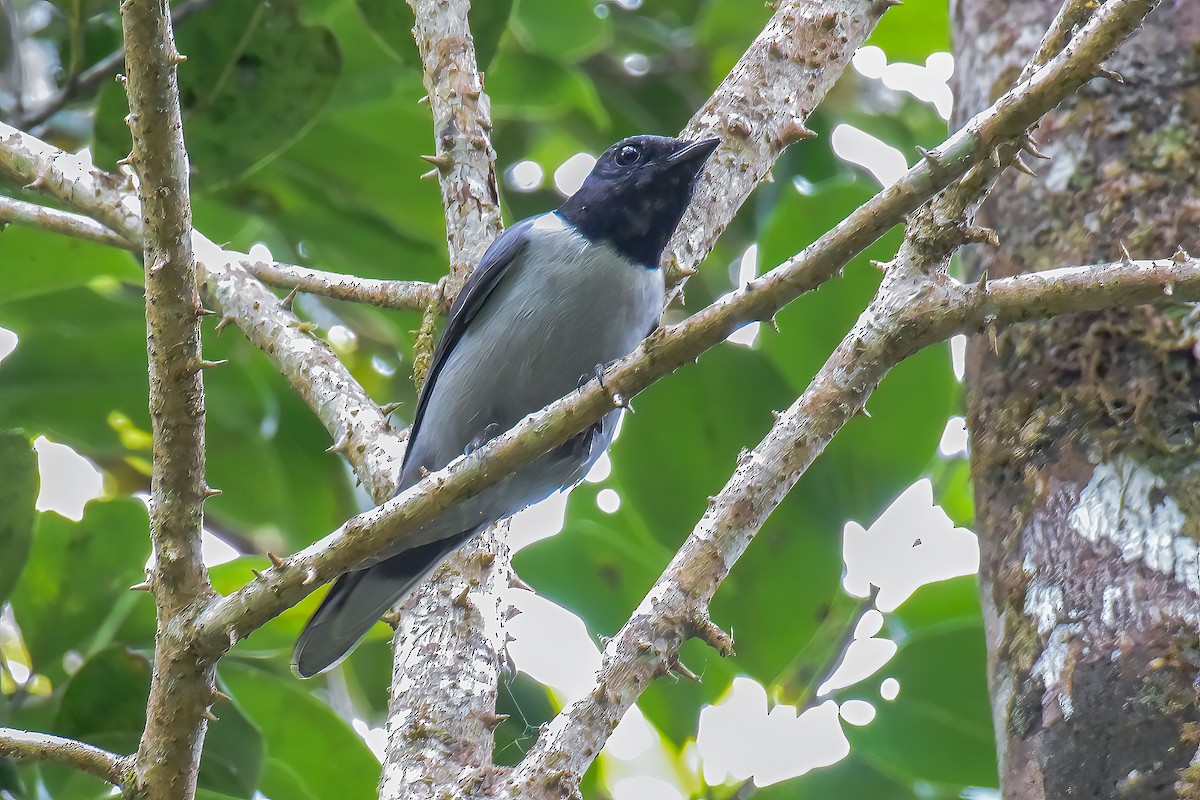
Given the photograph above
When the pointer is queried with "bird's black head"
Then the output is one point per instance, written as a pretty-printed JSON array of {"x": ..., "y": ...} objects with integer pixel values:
[{"x": 637, "y": 193}]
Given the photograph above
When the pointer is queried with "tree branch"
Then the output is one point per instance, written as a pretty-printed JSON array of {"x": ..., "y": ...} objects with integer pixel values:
[
  {"x": 465, "y": 161},
  {"x": 62, "y": 222},
  {"x": 182, "y": 686},
  {"x": 449, "y": 646},
  {"x": 761, "y": 107},
  {"x": 359, "y": 429},
  {"x": 29, "y": 746},
  {"x": 399, "y": 295}
]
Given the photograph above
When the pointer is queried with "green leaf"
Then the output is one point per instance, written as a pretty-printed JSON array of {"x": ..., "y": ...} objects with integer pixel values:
[
  {"x": 36, "y": 262},
  {"x": 82, "y": 355},
  {"x": 255, "y": 80},
  {"x": 75, "y": 587},
  {"x": 912, "y": 31},
  {"x": 104, "y": 704},
  {"x": 392, "y": 25},
  {"x": 488, "y": 21},
  {"x": 568, "y": 30},
  {"x": 939, "y": 727},
  {"x": 323, "y": 753},
  {"x": 19, "y": 483},
  {"x": 232, "y": 761},
  {"x": 533, "y": 87}
]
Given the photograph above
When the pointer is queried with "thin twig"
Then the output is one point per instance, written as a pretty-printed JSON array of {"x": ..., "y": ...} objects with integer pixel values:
[
  {"x": 29, "y": 746},
  {"x": 62, "y": 222},
  {"x": 399, "y": 295},
  {"x": 91, "y": 78}
]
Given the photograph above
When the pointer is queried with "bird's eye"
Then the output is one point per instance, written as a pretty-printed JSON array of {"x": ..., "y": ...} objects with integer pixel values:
[{"x": 628, "y": 155}]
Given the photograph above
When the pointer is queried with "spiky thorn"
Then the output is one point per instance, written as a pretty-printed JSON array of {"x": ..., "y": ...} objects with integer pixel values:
[
  {"x": 209, "y": 491},
  {"x": 707, "y": 631},
  {"x": 1030, "y": 145},
  {"x": 276, "y": 561},
  {"x": 930, "y": 156},
  {"x": 257, "y": 574},
  {"x": 39, "y": 180},
  {"x": 223, "y": 324},
  {"x": 423, "y": 100},
  {"x": 444, "y": 162},
  {"x": 981, "y": 284},
  {"x": 679, "y": 668},
  {"x": 463, "y": 601},
  {"x": 202, "y": 312},
  {"x": 144, "y": 586},
  {"x": 1181, "y": 256},
  {"x": 1020, "y": 166},
  {"x": 686, "y": 272},
  {"x": 1126, "y": 259},
  {"x": 388, "y": 408},
  {"x": 198, "y": 364},
  {"x": 1110, "y": 75},
  {"x": 220, "y": 697},
  {"x": 177, "y": 57},
  {"x": 515, "y": 582},
  {"x": 289, "y": 299},
  {"x": 429, "y": 176},
  {"x": 342, "y": 445},
  {"x": 391, "y": 619},
  {"x": 978, "y": 235},
  {"x": 794, "y": 131},
  {"x": 882, "y": 266},
  {"x": 209, "y": 715}
]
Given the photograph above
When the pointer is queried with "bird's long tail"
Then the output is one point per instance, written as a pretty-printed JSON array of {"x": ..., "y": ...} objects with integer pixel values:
[{"x": 358, "y": 599}]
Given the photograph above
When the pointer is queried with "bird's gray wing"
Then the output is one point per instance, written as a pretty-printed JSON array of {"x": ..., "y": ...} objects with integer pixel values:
[
  {"x": 357, "y": 599},
  {"x": 479, "y": 286}
]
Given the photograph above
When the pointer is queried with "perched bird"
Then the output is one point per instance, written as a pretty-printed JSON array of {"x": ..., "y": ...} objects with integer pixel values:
[{"x": 555, "y": 298}]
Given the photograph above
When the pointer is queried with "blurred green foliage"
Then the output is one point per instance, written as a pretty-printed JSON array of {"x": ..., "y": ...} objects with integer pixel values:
[{"x": 304, "y": 132}]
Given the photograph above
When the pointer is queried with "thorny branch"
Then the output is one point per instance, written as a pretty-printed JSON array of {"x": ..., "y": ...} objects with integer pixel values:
[
  {"x": 761, "y": 107},
  {"x": 449, "y": 645},
  {"x": 182, "y": 686},
  {"x": 28, "y": 746},
  {"x": 399, "y": 295}
]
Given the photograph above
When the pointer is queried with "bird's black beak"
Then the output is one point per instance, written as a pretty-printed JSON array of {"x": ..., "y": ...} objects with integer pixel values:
[{"x": 694, "y": 151}]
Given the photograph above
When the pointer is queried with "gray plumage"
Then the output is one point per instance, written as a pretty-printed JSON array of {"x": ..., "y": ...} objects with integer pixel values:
[{"x": 553, "y": 298}]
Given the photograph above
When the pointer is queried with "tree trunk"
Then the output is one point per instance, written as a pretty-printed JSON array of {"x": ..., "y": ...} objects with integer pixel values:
[{"x": 1084, "y": 428}]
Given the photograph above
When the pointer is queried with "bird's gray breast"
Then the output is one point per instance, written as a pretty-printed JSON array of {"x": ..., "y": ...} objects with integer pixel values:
[{"x": 562, "y": 308}]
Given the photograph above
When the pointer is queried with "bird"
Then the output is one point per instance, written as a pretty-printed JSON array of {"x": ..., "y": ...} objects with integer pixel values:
[{"x": 555, "y": 298}]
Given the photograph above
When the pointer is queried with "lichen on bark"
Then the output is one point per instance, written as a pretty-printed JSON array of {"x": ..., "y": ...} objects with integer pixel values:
[{"x": 1084, "y": 427}]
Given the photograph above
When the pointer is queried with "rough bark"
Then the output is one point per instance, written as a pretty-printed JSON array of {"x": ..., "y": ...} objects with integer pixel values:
[
  {"x": 181, "y": 689},
  {"x": 1084, "y": 429}
]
